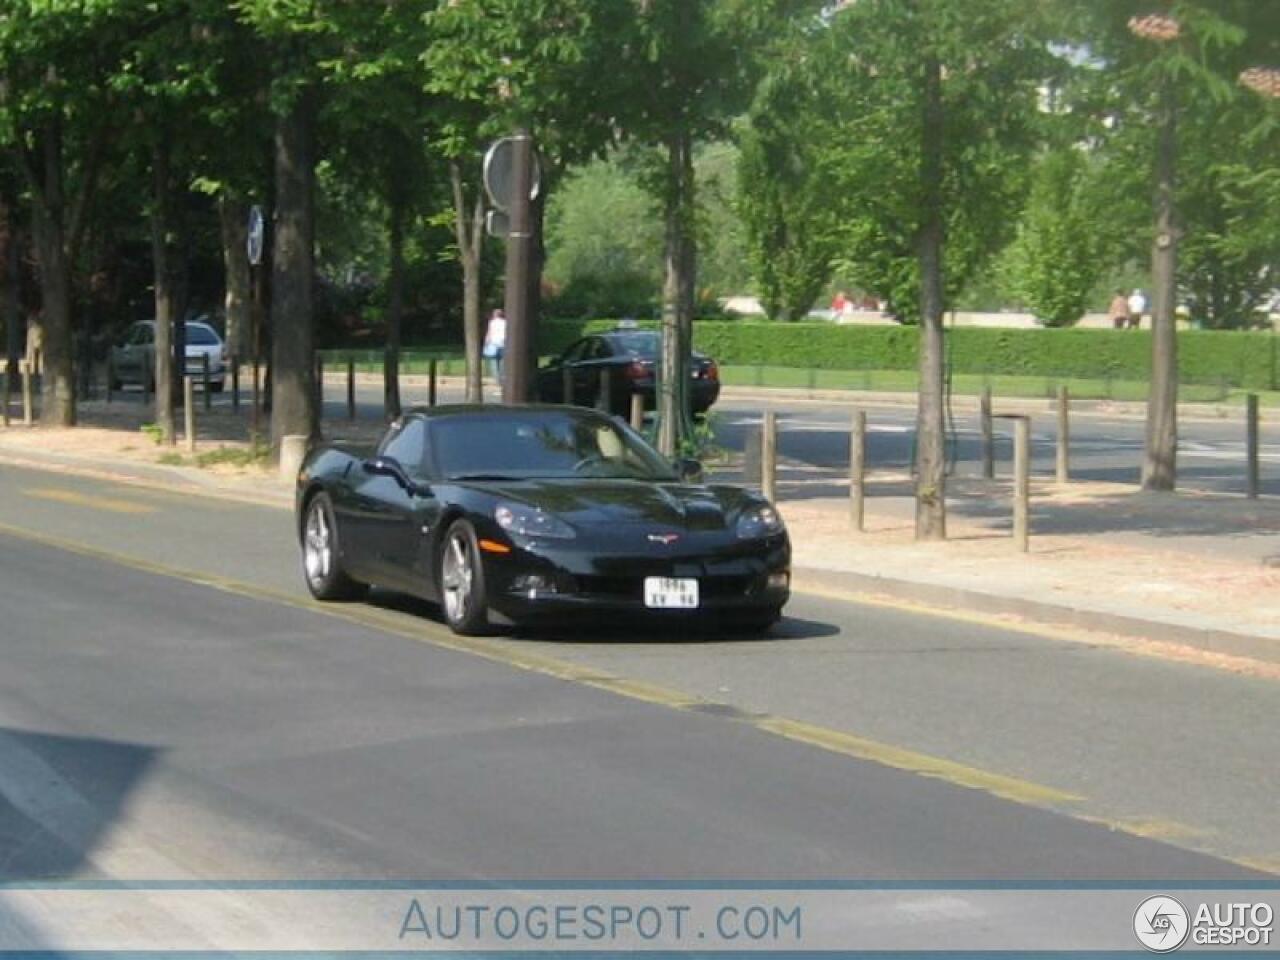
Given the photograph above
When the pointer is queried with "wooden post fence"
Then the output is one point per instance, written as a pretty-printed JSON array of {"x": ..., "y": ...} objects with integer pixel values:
[
  {"x": 769, "y": 457},
  {"x": 858, "y": 470}
]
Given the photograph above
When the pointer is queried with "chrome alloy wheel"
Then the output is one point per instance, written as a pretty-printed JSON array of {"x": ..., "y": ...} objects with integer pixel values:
[
  {"x": 318, "y": 546},
  {"x": 457, "y": 577}
]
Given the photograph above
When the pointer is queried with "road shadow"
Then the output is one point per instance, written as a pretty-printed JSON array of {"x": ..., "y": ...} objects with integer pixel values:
[{"x": 59, "y": 798}]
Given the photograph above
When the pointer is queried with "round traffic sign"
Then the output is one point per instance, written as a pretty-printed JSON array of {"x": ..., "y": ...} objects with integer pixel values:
[
  {"x": 257, "y": 231},
  {"x": 499, "y": 173}
]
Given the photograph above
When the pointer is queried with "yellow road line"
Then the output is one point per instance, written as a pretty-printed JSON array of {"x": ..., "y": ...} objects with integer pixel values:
[
  {"x": 76, "y": 499},
  {"x": 1022, "y": 792},
  {"x": 1008, "y": 788}
]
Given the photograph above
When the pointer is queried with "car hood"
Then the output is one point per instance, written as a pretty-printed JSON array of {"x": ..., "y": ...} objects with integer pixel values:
[{"x": 589, "y": 503}]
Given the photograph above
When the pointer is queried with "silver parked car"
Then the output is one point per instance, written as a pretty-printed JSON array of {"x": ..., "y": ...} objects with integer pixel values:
[{"x": 134, "y": 359}]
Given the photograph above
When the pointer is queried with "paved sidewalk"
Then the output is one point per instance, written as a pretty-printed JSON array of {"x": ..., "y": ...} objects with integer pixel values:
[{"x": 1198, "y": 570}]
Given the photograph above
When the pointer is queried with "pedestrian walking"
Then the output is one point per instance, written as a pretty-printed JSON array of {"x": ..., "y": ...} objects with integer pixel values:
[
  {"x": 495, "y": 343},
  {"x": 1119, "y": 310},
  {"x": 1137, "y": 307}
]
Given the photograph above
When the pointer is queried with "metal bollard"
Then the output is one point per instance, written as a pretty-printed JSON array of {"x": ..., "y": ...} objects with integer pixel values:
[
  {"x": 566, "y": 385},
  {"x": 1254, "y": 477},
  {"x": 234, "y": 364},
  {"x": 1064, "y": 436},
  {"x": 858, "y": 470},
  {"x": 27, "y": 415},
  {"x": 1021, "y": 479},
  {"x": 432, "y": 382},
  {"x": 988, "y": 436},
  {"x": 604, "y": 397},
  {"x": 204, "y": 377},
  {"x": 351, "y": 389},
  {"x": 255, "y": 427},
  {"x": 319, "y": 386},
  {"x": 189, "y": 412},
  {"x": 4, "y": 397},
  {"x": 769, "y": 457},
  {"x": 637, "y": 412},
  {"x": 111, "y": 377}
]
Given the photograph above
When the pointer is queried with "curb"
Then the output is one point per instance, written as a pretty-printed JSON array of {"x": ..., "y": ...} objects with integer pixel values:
[{"x": 1218, "y": 642}]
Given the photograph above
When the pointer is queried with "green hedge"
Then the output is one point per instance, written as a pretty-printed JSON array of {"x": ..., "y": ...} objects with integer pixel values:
[{"x": 1237, "y": 359}]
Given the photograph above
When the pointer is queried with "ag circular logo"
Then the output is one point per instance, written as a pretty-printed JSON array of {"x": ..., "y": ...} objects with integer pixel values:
[{"x": 1161, "y": 924}]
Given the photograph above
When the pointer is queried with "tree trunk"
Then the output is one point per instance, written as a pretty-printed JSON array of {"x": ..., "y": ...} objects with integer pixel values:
[
  {"x": 234, "y": 215},
  {"x": 395, "y": 307},
  {"x": 469, "y": 230},
  {"x": 931, "y": 504},
  {"x": 681, "y": 262},
  {"x": 57, "y": 386},
  {"x": 1159, "y": 467},
  {"x": 162, "y": 257},
  {"x": 293, "y": 407},
  {"x": 11, "y": 265}
]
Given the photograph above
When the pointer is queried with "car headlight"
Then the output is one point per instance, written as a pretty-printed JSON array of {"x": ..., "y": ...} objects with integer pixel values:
[
  {"x": 759, "y": 521},
  {"x": 528, "y": 522}
]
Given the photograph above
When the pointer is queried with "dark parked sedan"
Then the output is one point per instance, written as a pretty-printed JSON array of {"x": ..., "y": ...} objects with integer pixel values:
[
  {"x": 630, "y": 357},
  {"x": 509, "y": 515}
]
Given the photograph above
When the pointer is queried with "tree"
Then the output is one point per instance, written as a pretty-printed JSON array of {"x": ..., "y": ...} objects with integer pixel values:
[
  {"x": 1064, "y": 238},
  {"x": 786, "y": 199},
  {"x": 57, "y": 116},
  {"x": 929, "y": 108},
  {"x": 689, "y": 67},
  {"x": 500, "y": 65},
  {"x": 1158, "y": 63}
]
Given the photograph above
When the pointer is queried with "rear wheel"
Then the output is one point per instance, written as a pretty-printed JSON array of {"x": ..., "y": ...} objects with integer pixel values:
[
  {"x": 462, "y": 587},
  {"x": 321, "y": 560}
]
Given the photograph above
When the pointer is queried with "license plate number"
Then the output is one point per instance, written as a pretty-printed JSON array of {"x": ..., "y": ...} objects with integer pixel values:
[{"x": 669, "y": 593}]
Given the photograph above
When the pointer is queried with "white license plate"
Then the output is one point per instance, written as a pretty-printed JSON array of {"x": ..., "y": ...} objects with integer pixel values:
[{"x": 668, "y": 593}]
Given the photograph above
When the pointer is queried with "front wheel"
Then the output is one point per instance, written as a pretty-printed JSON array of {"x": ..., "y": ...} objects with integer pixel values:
[
  {"x": 321, "y": 561},
  {"x": 462, "y": 586}
]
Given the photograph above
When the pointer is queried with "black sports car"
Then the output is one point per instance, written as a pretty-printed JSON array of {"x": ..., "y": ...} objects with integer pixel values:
[
  {"x": 629, "y": 357},
  {"x": 514, "y": 515}
]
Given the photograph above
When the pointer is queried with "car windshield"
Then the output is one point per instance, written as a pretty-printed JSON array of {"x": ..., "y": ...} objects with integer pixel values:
[
  {"x": 200, "y": 336},
  {"x": 641, "y": 344},
  {"x": 541, "y": 444}
]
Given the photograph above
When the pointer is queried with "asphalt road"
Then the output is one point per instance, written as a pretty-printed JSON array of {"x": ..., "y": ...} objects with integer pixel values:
[{"x": 171, "y": 706}]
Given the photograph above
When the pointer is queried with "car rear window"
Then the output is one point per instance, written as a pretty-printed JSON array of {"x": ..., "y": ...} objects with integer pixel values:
[{"x": 642, "y": 345}]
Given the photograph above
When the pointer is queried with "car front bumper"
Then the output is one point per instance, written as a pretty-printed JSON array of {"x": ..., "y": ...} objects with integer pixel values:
[{"x": 537, "y": 583}]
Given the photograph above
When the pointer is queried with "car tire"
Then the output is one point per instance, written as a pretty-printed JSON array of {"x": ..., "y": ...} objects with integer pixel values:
[
  {"x": 322, "y": 555},
  {"x": 216, "y": 386},
  {"x": 463, "y": 597}
]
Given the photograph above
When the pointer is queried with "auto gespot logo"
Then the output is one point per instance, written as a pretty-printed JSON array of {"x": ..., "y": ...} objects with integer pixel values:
[{"x": 1162, "y": 924}]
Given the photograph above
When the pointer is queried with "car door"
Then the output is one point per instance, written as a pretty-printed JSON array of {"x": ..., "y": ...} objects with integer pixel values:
[
  {"x": 384, "y": 518},
  {"x": 127, "y": 357}
]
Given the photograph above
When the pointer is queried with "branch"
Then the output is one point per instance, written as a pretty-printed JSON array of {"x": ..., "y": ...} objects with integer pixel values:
[
  {"x": 88, "y": 182},
  {"x": 459, "y": 210}
]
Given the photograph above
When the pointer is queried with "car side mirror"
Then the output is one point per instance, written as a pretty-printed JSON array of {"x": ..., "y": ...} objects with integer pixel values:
[
  {"x": 390, "y": 467},
  {"x": 689, "y": 470}
]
